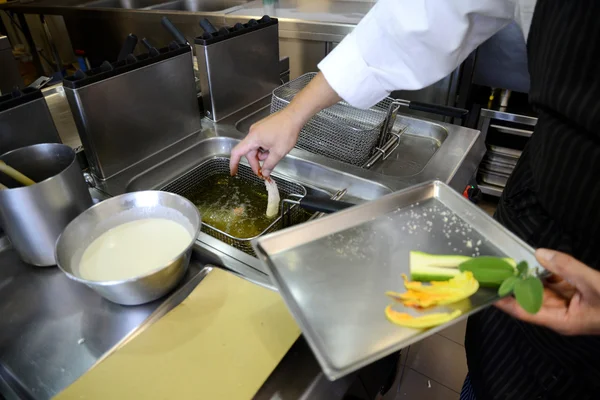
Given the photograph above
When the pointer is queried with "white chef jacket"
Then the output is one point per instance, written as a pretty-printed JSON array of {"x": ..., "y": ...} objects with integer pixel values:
[{"x": 411, "y": 44}]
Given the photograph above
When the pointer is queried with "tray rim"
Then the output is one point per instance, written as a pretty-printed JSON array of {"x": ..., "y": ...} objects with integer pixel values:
[{"x": 331, "y": 370}]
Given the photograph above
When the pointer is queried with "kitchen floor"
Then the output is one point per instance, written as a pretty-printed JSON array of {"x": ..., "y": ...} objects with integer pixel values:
[{"x": 435, "y": 368}]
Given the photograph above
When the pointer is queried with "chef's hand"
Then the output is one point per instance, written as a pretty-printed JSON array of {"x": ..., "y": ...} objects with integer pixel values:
[
  {"x": 269, "y": 140},
  {"x": 272, "y": 138},
  {"x": 571, "y": 303}
]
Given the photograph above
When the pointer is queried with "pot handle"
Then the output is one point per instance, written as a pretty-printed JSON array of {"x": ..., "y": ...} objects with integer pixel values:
[
  {"x": 320, "y": 204},
  {"x": 446, "y": 111}
]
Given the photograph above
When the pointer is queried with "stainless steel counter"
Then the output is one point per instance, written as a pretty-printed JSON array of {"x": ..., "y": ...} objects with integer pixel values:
[{"x": 52, "y": 330}]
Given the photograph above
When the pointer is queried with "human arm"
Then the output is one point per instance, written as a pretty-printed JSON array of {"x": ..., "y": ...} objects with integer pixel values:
[
  {"x": 399, "y": 44},
  {"x": 278, "y": 133},
  {"x": 571, "y": 304}
]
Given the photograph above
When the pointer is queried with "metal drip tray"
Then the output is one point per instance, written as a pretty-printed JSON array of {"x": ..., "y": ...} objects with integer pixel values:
[{"x": 191, "y": 184}]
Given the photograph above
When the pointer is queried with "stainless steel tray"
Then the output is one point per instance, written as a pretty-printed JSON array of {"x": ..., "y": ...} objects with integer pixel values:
[
  {"x": 501, "y": 158},
  {"x": 333, "y": 272},
  {"x": 506, "y": 151},
  {"x": 493, "y": 178},
  {"x": 496, "y": 167}
]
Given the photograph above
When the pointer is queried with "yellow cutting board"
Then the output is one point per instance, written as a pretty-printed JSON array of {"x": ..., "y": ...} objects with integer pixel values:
[{"x": 222, "y": 342}]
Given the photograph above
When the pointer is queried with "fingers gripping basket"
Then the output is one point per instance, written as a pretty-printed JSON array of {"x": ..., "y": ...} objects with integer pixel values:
[{"x": 341, "y": 132}]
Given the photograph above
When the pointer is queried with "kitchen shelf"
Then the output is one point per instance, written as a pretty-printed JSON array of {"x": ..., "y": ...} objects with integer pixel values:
[{"x": 491, "y": 190}]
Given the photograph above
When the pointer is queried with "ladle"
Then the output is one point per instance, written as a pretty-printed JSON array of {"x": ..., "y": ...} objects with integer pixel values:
[{"x": 16, "y": 175}]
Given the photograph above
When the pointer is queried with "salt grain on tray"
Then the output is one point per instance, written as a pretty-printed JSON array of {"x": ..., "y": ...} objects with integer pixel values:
[{"x": 418, "y": 221}]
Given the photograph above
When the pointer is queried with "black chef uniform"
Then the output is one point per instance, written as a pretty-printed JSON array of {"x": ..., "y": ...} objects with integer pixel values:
[{"x": 552, "y": 200}]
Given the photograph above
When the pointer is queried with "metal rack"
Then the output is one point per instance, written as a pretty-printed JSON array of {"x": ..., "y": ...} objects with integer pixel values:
[
  {"x": 500, "y": 160},
  {"x": 342, "y": 132}
]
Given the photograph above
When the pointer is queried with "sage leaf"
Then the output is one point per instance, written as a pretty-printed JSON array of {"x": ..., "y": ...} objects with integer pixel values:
[
  {"x": 488, "y": 271},
  {"x": 507, "y": 286},
  {"x": 522, "y": 268},
  {"x": 529, "y": 293}
]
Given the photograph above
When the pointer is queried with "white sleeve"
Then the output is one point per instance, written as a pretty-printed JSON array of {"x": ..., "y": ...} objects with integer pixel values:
[{"x": 410, "y": 44}]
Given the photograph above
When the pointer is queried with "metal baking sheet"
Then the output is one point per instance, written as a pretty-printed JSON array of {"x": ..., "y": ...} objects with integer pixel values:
[{"x": 333, "y": 272}]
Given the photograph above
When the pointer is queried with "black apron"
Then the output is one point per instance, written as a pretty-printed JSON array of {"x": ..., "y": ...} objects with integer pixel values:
[{"x": 552, "y": 200}]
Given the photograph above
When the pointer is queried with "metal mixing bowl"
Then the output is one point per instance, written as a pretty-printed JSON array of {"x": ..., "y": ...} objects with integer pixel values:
[{"x": 88, "y": 226}]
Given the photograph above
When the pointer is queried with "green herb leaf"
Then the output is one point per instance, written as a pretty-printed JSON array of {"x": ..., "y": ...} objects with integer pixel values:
[
  {"x": 529, "y": 293},
  {"x": 507, "y": 286},
  {"x": 489, "y": 271},
  {"x": 522, "y": 268}
]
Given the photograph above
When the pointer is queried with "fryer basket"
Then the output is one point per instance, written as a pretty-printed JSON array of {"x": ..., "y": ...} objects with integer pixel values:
[
  {"x": 341, "y": 132},
  {"x": 192, "y": 181}
]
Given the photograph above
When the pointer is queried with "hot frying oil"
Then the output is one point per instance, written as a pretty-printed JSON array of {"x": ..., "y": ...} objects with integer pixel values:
[{"x": 232, "y": 205}]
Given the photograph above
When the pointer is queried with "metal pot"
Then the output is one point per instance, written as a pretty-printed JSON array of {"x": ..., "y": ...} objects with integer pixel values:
[
  {"x": 88, "y": 226},
  {"x": 34, "y": 216}
]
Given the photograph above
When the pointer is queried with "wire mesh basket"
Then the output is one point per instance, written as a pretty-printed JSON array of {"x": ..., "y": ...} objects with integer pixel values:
[
  {"x": 341, "y": 132},
  {"x": 192, "y": 182}
]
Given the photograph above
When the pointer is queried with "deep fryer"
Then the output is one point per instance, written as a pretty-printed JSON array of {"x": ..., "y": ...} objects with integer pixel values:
[{"x": 192, "y": 181}]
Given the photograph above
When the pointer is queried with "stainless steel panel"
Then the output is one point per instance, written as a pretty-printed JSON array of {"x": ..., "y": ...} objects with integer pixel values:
[
  {"x": 61, "y": 115},
  {"x": 127, "y": 118},
  {"x": 34, "y": 216},
  {"x": 304, "y": 55},
  {"x": 333, "y": 272},
  {"x": 26, "y": 124},
  {"x": 510, "y": 117},
  {"x": 238, "y": 71},
  {"x": 418, "y": 145}
]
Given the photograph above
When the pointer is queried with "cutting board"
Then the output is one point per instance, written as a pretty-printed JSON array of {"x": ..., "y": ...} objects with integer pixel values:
[{"x": 222, "y": 342}]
